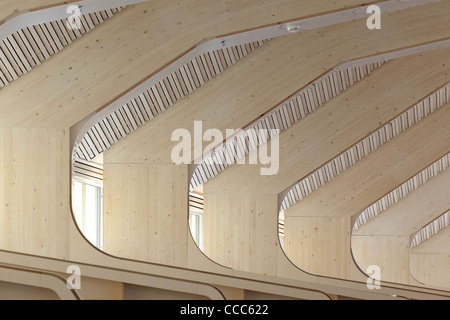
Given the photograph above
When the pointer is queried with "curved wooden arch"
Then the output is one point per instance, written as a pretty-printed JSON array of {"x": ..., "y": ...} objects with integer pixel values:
[{"x": 39, "y": 278}]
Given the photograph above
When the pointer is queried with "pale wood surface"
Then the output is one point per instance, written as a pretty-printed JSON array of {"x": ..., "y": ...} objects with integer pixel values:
[
  {"x": 127, "y": 49},
  {"x": 430, "y": 262},
  {"x": 233, "y": 225},
  {"x": 36, "y": 159},
  {"x": 340, "y": 123},
  {"x": 145, "y": 212},
  {"x": 385, "y": 240},
  {"x": 34, "y": 191},
  {"x": 8, "y": 7},
  {"x": 361, "y": 112},
  {"x": 390, "y": 253},
  {"x": 265, "y": 80},
  {"x": 412, "y": 213},
  {"x": 376, "y": 175},
  {"x": 431, "y": 269},
  {"x": 309, "y": 239},
  {"x": 348, "y": 194},
  {"x": 436, "y": 244}
]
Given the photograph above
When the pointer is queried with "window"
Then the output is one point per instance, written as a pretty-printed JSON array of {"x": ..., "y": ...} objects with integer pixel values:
[
  {"x": 196, "y": 218},
  {"x": 196, "y": 225},
  {"x": 88, "y": 210}
]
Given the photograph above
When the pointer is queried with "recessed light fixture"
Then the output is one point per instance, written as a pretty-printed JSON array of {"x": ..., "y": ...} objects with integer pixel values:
[{"x": 293, "y": 27}]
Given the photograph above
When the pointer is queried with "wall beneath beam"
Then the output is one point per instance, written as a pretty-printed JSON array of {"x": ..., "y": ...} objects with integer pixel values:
[
  {"x": 307, "y": 248},
  {"x": 240, "y": 231},
  {"x": 146, "y": 212},
  {"x": 430, "y": 261},
  {"x": 390, "y": 253},
  {"x": 34, "y": 191}
]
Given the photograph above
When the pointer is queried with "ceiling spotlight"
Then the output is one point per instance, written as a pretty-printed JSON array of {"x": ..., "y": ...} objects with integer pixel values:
[{"x": 293, "y": 27}]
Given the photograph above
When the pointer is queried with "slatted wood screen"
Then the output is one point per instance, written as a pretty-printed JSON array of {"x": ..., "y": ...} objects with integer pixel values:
[
  {"x": 402, "y": 191},
  {"x": 431, "y": 229},
  {"x": 282, "y": 117},
  {"x": 366, "y": 146},
  {"x": 88, "y": 171},
  {"x": 158, "y": 98},
  {"x": 29, "y": 47}
]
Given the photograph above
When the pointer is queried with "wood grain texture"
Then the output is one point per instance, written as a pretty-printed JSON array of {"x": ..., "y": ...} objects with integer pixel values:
[
  {"x": 370, "y": 144},
  {"x": 27, "y": 48},
  {"x": 303, "y": 155},
  {"x": 145, "y": 212},
  {"x": 234, "y": 224},
  {"x": 344, "y": 195},
  {"x": 115, "y": 57},
  {"x": 309, "y": 239},
  {"x": 390, "y": 253},
  {"x": 9, "y": 7},
  {"x": 430, "y": 262},
  {"x": 34, "y": 191},
  {"x": 262, "y": 86},
  {"x": 341, "y": 123},
  {"x": 403, "y": 190}
]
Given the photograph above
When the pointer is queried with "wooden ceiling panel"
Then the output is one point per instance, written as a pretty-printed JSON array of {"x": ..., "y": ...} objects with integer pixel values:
[
  {"x": 226, "y": 103},
  {"x": 412, "y": 212},
  {"x": 342, "y": 122},
  {"x": 122, "y": 52}
]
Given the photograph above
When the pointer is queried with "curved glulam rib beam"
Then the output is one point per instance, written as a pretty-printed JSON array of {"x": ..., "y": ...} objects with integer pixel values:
[
  {"x": 38, "y": 278},
  {"x": 363, "y": 183},
  {"x": 310, "y": 143},
  {"x": 431, "y": 229},
  {"x": 394, "y": 228},
  {"x": 159, "y": 91},
  {"x": 365, "y": 146},
  {"x": 413, "y": 204},
  {"x": 430, "y": 261},
  {"x": 402, "y": 191},
  {"x": 280, "y": 118}
]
